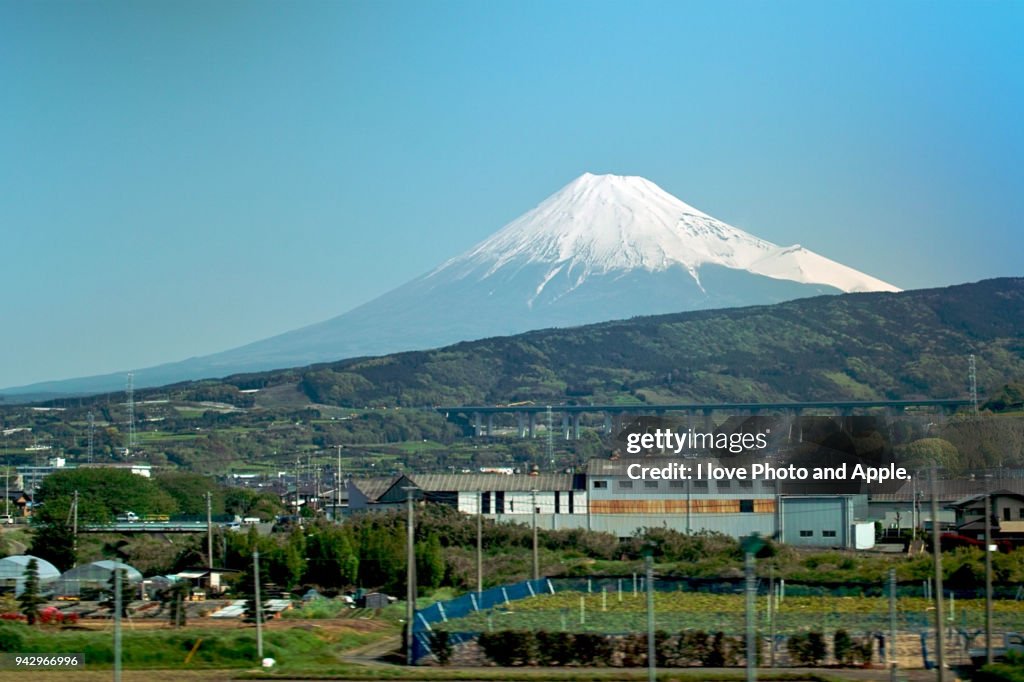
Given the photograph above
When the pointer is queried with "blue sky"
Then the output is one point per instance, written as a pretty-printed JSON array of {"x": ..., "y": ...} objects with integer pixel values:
[{"x": 179, "y": 178}]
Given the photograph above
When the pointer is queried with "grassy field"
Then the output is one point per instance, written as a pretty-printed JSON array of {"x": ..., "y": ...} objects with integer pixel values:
[
  {"x": 675, "y": 611},
  {"x": 295, "y": 645}
]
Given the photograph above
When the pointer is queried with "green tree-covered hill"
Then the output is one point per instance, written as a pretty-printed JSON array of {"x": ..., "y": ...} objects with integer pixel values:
[{"x": 913, "y": 344}]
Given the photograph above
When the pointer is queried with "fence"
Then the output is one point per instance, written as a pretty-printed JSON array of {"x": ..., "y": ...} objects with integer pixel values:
[
  {"x": 460, "y": 607},
  {"x": 614, "y": 606}
]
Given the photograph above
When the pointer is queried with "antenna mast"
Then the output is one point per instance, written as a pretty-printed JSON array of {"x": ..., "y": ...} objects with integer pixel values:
[
  {"x": 972, "y": 372},
  {"x": 131, "y": 413},
  {"x": 92, "y": 432}
]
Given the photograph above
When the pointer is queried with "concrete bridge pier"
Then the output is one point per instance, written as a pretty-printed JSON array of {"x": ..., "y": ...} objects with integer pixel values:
[
  {"x": 607, "y": 423},
  {"x": 845, "y": 423},
  {"x": 520, "y": 425},
  {"x": 796, "y": 425},
  {"x": 478, "y": 429},
  {"x": 532, "y": 423},
  {"x": 709, "y": 423},
  {"x": 576, "y": 426},
  {"x": 565, "y": 426},
  {"x": 490, "y": 424}
]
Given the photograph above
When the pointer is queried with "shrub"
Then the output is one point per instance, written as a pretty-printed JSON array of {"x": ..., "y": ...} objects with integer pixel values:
[
  {"x": 441, "y": 645},
  {"x": 593, "y": 649},
  {"x": 842, "y": 647},
  {"x": 716, "y": 653},
  {"x": 662, "y": 649},
  {"x": 806, "y": 648},
  {"x": 693, "y": 647},
  {"x": 11, "y": 638},
  {"x": 634, "y": 650},
  {"x": 509, "y": 647},
  {"x": 555, "y": 648}
]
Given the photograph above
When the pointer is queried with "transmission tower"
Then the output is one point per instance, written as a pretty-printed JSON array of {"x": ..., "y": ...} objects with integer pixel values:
[
  {"x": 131, "y": 413},
  {"x": 972, "y": 372},
  {"x": 92, "y": 433}
]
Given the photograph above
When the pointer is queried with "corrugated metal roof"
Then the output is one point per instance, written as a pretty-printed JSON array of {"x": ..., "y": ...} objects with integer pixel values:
[
  {"x": 617, "y": 467},
  {"x": 374, "y": 487},
  {"x": 951, "y": 490},
  {"x": 492, "y": 482}
]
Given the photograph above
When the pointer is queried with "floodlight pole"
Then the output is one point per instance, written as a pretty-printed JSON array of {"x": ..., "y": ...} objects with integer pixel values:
[
  {"x": 209, "y": 528},
  {"x": 651, "y": 655},
  {"x": 117, "y": 624},
  {"x": 940, "y": 654},
  {"x": 892, "y": 625},
  {"x": 259, "y": 606},
  {"x": 536, "y": 557},
  {"x": 750, "y": 545},
  {"x": 410, "y": 575},
  {"x": 480, "y": 543},
  {"x": 988, "y": 578},
  {"x": 74, "y": 529},
  {"x": 337, "y": 488},
  {"x": 751, "y": 581}
]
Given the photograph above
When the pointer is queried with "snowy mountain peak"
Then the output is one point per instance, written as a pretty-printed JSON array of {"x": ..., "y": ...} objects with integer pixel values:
[{"x": 615, "y": 224}]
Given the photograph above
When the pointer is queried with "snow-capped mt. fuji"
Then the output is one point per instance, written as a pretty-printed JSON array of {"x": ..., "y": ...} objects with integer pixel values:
[
  {"x": 601, "y": 224},
  {"x": 603, "y": 247}
]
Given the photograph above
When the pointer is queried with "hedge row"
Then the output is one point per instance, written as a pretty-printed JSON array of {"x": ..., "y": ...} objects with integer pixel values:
[{"x": 688, "y": 648}]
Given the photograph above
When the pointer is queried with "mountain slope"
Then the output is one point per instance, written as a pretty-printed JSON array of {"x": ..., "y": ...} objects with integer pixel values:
[
  {"x": 603, "y": 247},
  {"x": 867, "y": 346}
]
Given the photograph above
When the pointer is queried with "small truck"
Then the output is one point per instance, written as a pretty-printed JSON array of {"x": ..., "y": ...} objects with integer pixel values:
[{"x": 1012, "y": 641}]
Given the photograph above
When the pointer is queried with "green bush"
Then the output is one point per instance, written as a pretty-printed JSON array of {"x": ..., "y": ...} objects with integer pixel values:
[
  {"x": 842, "y": 647},
  {"x": 555, "y": 648},
  {"x": 441, "y": 645},
  {"x": 509, "y": 647},
  {"x": 806, "y": 648},
  {"x": 11, "y": 637},
  {"x": 693, "y": 647},
  {"x": 593, "y": 649},
  {"x": 634, "y": 650}
]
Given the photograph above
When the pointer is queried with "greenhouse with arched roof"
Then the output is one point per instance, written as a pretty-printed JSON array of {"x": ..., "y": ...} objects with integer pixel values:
[
  {"x": 88, "y": 579},
  {"x": 12, "y": 573}
]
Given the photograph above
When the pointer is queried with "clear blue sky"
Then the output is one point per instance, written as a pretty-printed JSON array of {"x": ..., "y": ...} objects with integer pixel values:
[{"x": 178, "y": 178}]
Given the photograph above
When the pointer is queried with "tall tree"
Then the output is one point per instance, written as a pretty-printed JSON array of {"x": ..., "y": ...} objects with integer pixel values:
[
  {"x": 30, "y": 599},
  {"x": 429, "y": 563},
  {"x": 55, "y": 542},
  {"x": 175, "y": 597},
  {"x": 126, "y": 592}
]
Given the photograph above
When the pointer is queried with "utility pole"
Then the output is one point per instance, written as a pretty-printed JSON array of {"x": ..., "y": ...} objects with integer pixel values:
[
  {"x": 259, "y": 606},
  {"x": 652, "y": 661},
  {"x": 940, "y": 654},
  {"x": 536, "y": 557},
  {"x": 410, "y": 574},
  {"x": 751, "y": 545},
  {"x": 74, "y": 527},
  {"x": 131, "y": 413},
  {"x": 988, "y": 577},
  {"x": 117, "y": 623},
  {"x": 209, "y": 527},
  {"x": 480, "y": 543},
  {"x": 972, "y": 373},
  {"x": 92, "y": 432},
  {"x": 892, "y": 625},
  {"x": 7, "y": 492},
  {"x": 337, "y": 487}
]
